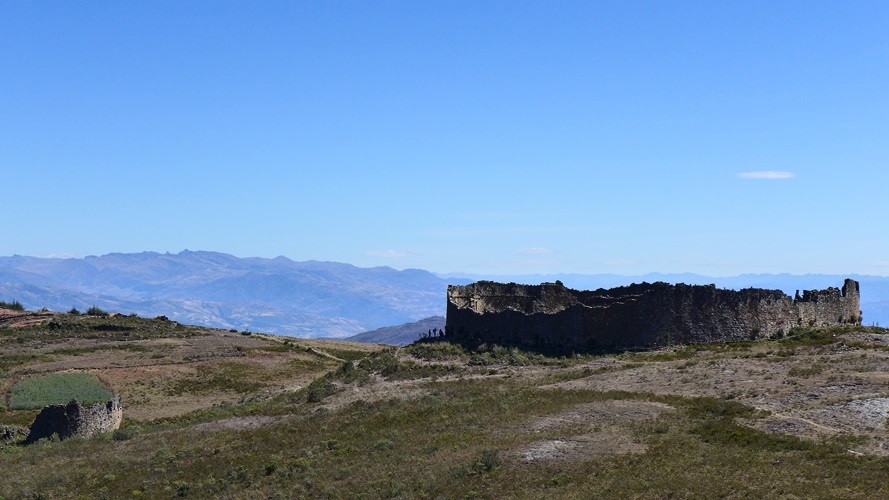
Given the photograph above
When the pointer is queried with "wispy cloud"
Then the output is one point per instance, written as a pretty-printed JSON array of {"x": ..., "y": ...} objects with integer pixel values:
[
  {"x": 391, "y": 254},
  {"x": 621, "y": 262},
  {"x": 536, "y": 251},
  {"x": 767, "y": 174}
]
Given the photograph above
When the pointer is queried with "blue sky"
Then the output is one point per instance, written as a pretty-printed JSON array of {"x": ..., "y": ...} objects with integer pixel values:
[{"x": 483, "y": 137}]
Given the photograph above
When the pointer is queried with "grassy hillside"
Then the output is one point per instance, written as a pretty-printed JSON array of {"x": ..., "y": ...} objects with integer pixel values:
[{"x": 223, "y": 414}]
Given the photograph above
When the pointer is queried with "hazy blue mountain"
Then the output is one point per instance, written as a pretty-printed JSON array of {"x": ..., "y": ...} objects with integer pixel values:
[
  {"x": 309, "y": 299},
  {"x": 401, "y": 334}
]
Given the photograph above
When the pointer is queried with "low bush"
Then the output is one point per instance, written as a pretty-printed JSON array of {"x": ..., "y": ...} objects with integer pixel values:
[
  {"x": 123, "y": 435},
  {"x": 487, "y": 461},
  {"x": 95, "y": 311},
  {"x": 805, "y": 371},
  {"x": 726, "y": 432},
  {"x": 437, "y": 351},
  {"x": 709, "y": 407}
]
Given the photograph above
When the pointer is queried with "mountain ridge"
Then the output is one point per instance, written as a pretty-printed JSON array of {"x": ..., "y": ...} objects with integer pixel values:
[
  {"x": 307, "y": 299},
  {"x": 400, "y": 334},
  {"x": 312, "y": 298}
]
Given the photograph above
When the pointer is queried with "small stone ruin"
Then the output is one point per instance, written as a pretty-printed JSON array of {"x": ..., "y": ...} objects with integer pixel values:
[{"x": 74, "y": 419}]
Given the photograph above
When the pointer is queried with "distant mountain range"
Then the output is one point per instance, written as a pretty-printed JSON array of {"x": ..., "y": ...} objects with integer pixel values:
[
  {"x": 401, "y": 334},
  {"x": 309, "y": 299},
  {"x": 306, "y": 299}
]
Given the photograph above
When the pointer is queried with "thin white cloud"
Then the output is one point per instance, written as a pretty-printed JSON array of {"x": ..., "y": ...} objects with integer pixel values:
[
  {"x": 391, "y": 254},
  {"x": 536, "y": 251},
  {"x": 767, "y": 174}
]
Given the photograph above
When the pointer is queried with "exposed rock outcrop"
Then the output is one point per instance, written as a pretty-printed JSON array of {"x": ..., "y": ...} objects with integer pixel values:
[
  {"x": 73, "y": 419},
  {"x": 553, "y": 317}
]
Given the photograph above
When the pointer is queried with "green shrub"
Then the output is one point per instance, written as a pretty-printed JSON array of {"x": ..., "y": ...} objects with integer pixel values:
[
  {"x": 270, "y": 468},
  {"x": 74, "y": 311},
  {"x": 487, "y": 461},
  {"x": 726, "y": 432},
  {"x": 805, "y": 372},
  {"x": 123, "y": 435},
  {"x": 436, "y": 351},
  {"x": 95, "y": 311},
  {"x": 320, "y": 389},
  {"x": 710, "y": 407},
  {"x": 14, "y": 305},
  {"x": 813, "y": 336}
]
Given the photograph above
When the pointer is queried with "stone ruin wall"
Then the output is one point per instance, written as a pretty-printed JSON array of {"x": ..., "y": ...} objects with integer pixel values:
[
  {"x": 552, "y": 317},
  {"x": 74, "y": 419}
]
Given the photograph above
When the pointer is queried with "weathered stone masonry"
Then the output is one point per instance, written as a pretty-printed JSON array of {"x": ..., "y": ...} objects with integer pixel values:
[
  {"x": 74, "y": 419},
  {"x": 552, "y": 317}
]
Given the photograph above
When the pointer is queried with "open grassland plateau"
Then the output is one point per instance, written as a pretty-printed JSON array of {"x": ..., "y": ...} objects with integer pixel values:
[
  {"x": 799, "y": 417},
  {"x": 160, "y": 368}
]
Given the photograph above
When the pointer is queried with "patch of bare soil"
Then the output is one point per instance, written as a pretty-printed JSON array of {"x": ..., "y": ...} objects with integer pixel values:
[
  {"x": 862, "y": 415},
  {"x": 591, "y": 429},
  {"x": 811, "y": 393},
  {"x": 21, "y": 319},
  {"x": 239, "y": 423}
]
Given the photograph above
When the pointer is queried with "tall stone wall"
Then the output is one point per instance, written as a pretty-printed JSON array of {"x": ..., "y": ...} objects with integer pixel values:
[
  {"x": 552, "y": 317},
  {"x": 74, "y": 419},
  {"x": 830, "y": 306}
]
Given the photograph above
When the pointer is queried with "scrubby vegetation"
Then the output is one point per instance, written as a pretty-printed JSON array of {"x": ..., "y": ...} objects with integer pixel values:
[
  {"x": 14, "y": 305},
  {"x": 385, "y": 365},
  {"x": 448, "y": 443},
  {"x": 95, "y": 311},
  {"x": 435, "y": 420},
  {"x": 64, "y": 327}
]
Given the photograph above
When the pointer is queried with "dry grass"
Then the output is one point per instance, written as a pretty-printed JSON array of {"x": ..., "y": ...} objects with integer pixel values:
[{"x": 774, "y": 419}]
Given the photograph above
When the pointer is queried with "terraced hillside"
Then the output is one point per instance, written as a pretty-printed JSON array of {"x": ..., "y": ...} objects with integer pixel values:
[{"x": 211, "y": 413}]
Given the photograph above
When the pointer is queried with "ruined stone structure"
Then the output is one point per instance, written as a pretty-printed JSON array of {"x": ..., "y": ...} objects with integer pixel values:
[
  {"x": 73, "y": 419},
  {"x": 551, "y": 317}
]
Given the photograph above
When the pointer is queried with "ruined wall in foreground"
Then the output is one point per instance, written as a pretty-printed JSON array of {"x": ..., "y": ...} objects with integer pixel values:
[
  {"x": 74, "y": 419},
  {"x": 552, "y": 317}
]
